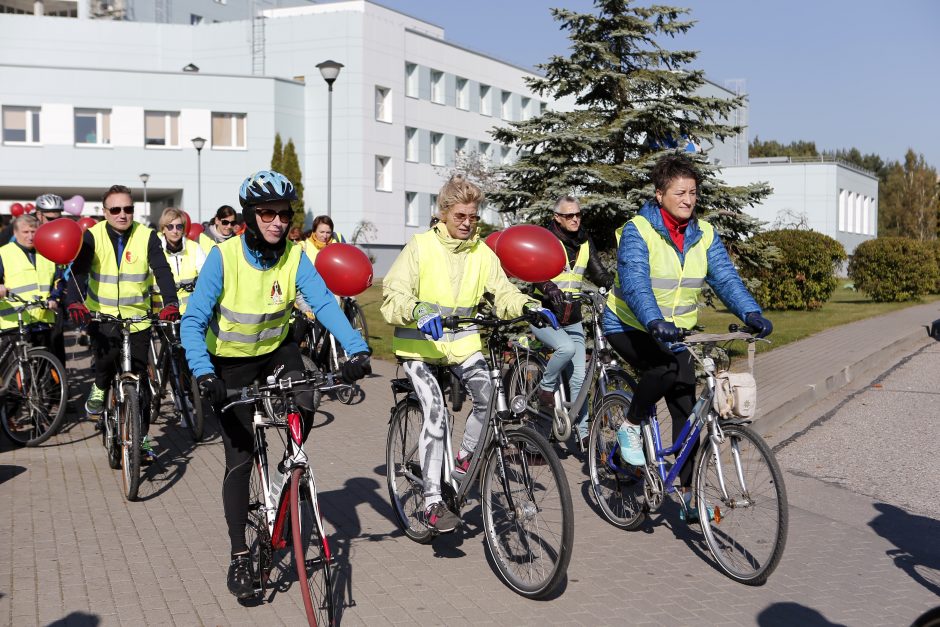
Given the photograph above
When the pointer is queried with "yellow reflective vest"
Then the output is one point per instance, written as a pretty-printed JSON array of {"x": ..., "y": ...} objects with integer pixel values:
[
  {"x": 676, "y": 286},
  {"x": 26, "y": 281},
  {"x": 183, "y": 266},
  {"x": 451, "y": 300},
  {"x": 205, "y": 243},
  {"x": 121, "y": 289},
  {"x": 253, "y": 313},
  {"x": 572, "y": 277}
]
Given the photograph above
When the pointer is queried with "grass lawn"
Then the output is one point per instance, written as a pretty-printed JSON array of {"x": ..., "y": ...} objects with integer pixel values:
[{"x": 844, "y": 307}]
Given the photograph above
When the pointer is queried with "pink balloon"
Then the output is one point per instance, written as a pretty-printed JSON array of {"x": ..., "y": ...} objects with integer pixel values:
[{"x": 74, "y": 205}]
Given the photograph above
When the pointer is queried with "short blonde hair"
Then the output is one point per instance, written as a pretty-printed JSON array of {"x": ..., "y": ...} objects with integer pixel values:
[
  {"x": 458, "y": 190},
  {"x": 169, "y": 214}
]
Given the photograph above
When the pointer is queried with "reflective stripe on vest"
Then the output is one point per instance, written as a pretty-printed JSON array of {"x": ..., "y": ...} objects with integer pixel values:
[
  {"x": 676, "y": 287},
  {"x": 121, "y": 290},
  {"x": 450, "y": 300},
  {"x": 185, "y": 274},
  {"x": 26, "y": 281},
  {"x": 252, "y": 315}
]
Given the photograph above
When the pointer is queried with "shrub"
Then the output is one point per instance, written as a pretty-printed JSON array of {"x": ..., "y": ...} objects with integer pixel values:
[
  {"x": 893, "y": 269},
  {"x": 801, "y": 275},
  {"x": 935, "y": 247}
]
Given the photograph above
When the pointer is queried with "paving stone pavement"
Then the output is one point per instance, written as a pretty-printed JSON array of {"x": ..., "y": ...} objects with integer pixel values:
[{"x": 76, "y": 553}]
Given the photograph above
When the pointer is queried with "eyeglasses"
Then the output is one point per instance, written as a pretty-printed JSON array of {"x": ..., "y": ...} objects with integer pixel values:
[
  {"x": 129, "y": 210},
  {"x": 460, "y": 218},
  {"x": 569, "y": 216},
  {"x": 267, "y": 215},
  {"x": 227, "y": 222},
  {"x": 174, "y": 227},
  {"x": 52, "y": 215}
]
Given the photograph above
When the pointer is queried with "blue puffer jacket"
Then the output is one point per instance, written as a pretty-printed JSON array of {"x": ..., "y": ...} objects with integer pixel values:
[{"x": 633, "y": 269}]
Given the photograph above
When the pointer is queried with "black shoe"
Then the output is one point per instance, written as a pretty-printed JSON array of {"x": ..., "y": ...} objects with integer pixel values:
[
  {"x": 546, "y": 402},
  {"x": 241, "y": 577}
]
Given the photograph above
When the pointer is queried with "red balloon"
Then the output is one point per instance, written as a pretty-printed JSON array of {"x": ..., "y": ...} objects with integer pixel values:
[
  {"x": 492, "y": 238},
  {"x": 16, "y": 210},
  {"x": 345, "y": 269},
  {"x": 86, "y": 223},
  {"x": 59, "y": 241},
  {"x": 187, "y": 221},
  {"x": 29, "y": 207},
  {"x": 194, "y": 231},
  {"x": 531, "y": 253}
]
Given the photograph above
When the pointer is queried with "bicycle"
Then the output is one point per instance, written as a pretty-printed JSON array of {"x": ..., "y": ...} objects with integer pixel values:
[
  {"x": 526, "y": 503},
  {"x": 168, "y": 365},
  {"x": 737, "y": 479},
  {"x": 603, "y": 372},
  {"x": 322, "y": 352},
  {"x": 121, "y": 426},
  {"x": 33, "y": 384},
  {"x": 284, "y": 508}
]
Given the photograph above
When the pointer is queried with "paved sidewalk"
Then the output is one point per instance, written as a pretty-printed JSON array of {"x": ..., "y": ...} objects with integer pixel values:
[{"x": 76, "y": 552}]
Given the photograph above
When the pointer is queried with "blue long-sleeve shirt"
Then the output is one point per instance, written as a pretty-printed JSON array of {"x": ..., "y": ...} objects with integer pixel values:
[{"x": 205, "y": 298}]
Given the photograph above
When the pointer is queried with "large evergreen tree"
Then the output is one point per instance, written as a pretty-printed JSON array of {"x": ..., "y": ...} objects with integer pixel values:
[
  {"x": 632, "y": 97},
  {"x": 277, "y": 156},
  {"x": 290, "y": 167}
]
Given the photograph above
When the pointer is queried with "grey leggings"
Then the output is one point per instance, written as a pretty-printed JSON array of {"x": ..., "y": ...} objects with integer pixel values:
[{"x": 473, "y": 373}]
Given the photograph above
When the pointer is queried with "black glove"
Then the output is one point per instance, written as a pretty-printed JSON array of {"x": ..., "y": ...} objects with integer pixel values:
[
  {"x": 663, "y": 331},
  {"x": 212, "y": 389},
  {"x": 554, "y": 295},
  {"x": 759, "y": 323},
  {"x": 356, "y": 367}
]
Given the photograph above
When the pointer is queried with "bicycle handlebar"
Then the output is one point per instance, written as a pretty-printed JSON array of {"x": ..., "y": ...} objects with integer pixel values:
[
  {"x": 454, "y": 322},
  {"x": 98, "y": 316},
  {"x": 38, "y": 301},
  {"x": 253, "y": 393}
]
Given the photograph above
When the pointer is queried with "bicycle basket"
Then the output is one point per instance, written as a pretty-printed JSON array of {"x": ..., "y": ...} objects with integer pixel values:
[{"x": 735, "y": 394}]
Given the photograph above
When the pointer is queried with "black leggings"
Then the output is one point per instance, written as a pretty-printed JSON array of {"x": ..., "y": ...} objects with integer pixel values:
[
  {"x": 237, "y": 434},
  {"x": 106, "y": 341},
  {"x": 664, "y": 375}
]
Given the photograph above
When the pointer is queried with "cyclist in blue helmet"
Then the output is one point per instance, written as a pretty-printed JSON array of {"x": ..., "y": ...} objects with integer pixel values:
[{"x": 235, "y": 332}]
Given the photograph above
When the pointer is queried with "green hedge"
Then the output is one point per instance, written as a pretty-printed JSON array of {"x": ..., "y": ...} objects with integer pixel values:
[
  {"x": 802, "y": 275},
  {"x": 894, "y": 269},
  {"x": 935, "y": 247}
]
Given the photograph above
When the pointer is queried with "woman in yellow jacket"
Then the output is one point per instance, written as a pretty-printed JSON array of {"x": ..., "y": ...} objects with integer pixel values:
[{"x": 445, "y": 271}]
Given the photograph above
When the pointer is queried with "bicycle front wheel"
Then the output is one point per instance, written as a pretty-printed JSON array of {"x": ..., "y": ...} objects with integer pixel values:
[
  {"x": 129, "y": 422},
  {"x": 357, "y": 318},
  {"x": 110, "y": 431},
  {"x": 748, "y": 518},
  {"x": 617, "y": 487},
  {"x": 403, "y": 470},
  {"x": 33, "y": 408},
  {"x": 527, "y": 513},
  {"x": 256, "y": 532},
  {"x": 311, "y": 550}
]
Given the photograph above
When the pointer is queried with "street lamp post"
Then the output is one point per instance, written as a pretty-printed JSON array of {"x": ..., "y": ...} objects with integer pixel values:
[
  {"x": 143, "y": 179},
  {"x": 330, "y": 71},
  {"x": 198, "y": 143}
]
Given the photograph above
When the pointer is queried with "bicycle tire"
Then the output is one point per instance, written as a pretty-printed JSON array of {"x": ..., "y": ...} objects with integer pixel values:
[
  {"x": 190, "y": 400},
  {"x": 403, "y": 470},
  {"x": 129, "y": 421},
  {"x": 529, "y": 536},
  {"x": 357, "y": 318},
  {"x": 743, "y": 555},
  {"x": 619, "y": 494},
  {"x": 311, "y": 550},
  {"x": 110, "y": 431},
  {"x": 33, "y": 408},
  {"x": 257, "y": 537}
]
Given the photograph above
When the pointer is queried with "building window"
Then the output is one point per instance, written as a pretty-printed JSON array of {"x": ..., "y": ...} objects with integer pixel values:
[
  {"x": 505, "y": 110},
  {"x": 411, "y": 209},
  {"x": 432, "y": 210},
  {"x": 486, "y": 102},
  {"x": 543, "y": 107},
  {"x": 437, "y": 149},
  {"x": 383, "y": 104},
  {"x": 504, "y": 155},
  {"x": 841, "y": 209},
  {"x": 93, "y": 127},
  {"x": 195, "y": 19},
  {"x": 162, "y": 128},
  {"x": 866, "y": 217},
  {"x": 859, "y": 213},
  {"x": 437, "y": 87},
  {"x": 228, "y": 130},
  {"x": 484, "y": 150},
  {"x": 411, "y": 144},
  {"x": 463, "y": 94},
  {"x": 411, "y": 80},
  {"x": 526, "y": 108},
  {"x": 460, "y": 146},
  {"x": 21, "y": 125},
  {"x": 383, "y": 174}
]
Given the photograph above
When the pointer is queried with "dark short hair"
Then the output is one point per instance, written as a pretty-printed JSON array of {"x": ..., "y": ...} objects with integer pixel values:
[
  {"x": 317, "y": 221},
  {"x": 224, "y": 211},
  {"x": 114, "y": 189},
  {"x": 671, "y": 167}
]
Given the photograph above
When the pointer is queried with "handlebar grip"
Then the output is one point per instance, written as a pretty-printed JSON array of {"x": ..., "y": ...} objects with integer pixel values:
[{"x": 450, "y": 322}]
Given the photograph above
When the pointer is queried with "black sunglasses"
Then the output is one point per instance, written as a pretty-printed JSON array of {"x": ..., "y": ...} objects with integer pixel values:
[
  {"x": 226, "y": 222},
  {"x": 569, "y": 216},
  {"x": 267, "y": 215},
  {"x": 129, "y": 210},
  {"x": 175, "y": 227}
]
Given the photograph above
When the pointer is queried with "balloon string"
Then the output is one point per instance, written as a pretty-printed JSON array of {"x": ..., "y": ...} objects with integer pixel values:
[{"x": 75, "y": 282}]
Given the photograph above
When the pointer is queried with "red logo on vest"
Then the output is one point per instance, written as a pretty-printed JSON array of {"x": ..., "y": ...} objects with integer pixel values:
[{"x": 128, "y": 256}]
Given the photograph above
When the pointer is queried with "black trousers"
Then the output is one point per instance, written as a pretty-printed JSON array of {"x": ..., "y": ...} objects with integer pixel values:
[
  {"x": 57, "y": 335},
  {"x": 106, "y": 345},
  {"x": 237, "y": 434},
  {"x": 665, "y": 375}
]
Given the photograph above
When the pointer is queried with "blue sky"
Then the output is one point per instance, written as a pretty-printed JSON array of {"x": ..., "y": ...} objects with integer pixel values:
[{"x": 842, "y": 73}]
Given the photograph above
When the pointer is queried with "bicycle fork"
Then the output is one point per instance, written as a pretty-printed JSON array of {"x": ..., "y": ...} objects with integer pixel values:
[{"x": 715, "y": 438}]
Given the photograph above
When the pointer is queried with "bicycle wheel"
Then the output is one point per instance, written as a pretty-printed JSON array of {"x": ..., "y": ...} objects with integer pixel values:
[
  {"x": 748, "y": 528},
  {"x": 256, "y": 531},
  {"x": 403, "y": 470},
  {"x": 311, "y": 549},
  {"x": 186, "y": 391},
  {"x": 528, "y": 520},
  {"x": 129, "y": 421},
  {"x": 110, "y": 432},
  {"x": 356, "y": 318},
  {"x": 34, "y": 405},
  {"x": 619, "y": 494},
  {"x": 523, "y": 379}
]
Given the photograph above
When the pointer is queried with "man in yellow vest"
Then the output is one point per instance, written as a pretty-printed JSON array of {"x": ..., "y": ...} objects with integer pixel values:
[
  {"x": 119, "y": 260},
  {"x": 443, "y": 272},
  {"x": 567, "y": 343},
  {"x": 235, "y": 333},
  {"x": 26, "y": 273},
  {"x": 665, "y": 257}
]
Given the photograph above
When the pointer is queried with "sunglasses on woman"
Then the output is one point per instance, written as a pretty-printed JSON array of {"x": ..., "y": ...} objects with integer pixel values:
[
  {"x": 226, "y": 222},
  {"x": 174, "y": 227},
  {"x": 267, "y": 215},
  {"x": 129, "y": 210}
]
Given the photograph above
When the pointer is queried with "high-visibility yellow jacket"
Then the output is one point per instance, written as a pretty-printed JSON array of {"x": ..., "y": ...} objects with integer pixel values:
[
  {"x": 27, "y": 281},
  {"x": 121, "y": 289},
  {"x": 185, "y": 266}
]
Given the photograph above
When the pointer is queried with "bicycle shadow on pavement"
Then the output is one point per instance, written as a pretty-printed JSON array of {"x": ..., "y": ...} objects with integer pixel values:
[
  {"x": 917, "y": 539},
  {"x": 77, "y": 619},
  {"x": 788, "y": 613},
  {"x": 10, "y": 471}
]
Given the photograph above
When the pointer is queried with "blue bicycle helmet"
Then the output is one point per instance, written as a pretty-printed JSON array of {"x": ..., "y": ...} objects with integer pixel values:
[{"x": 265, "y": 186}]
